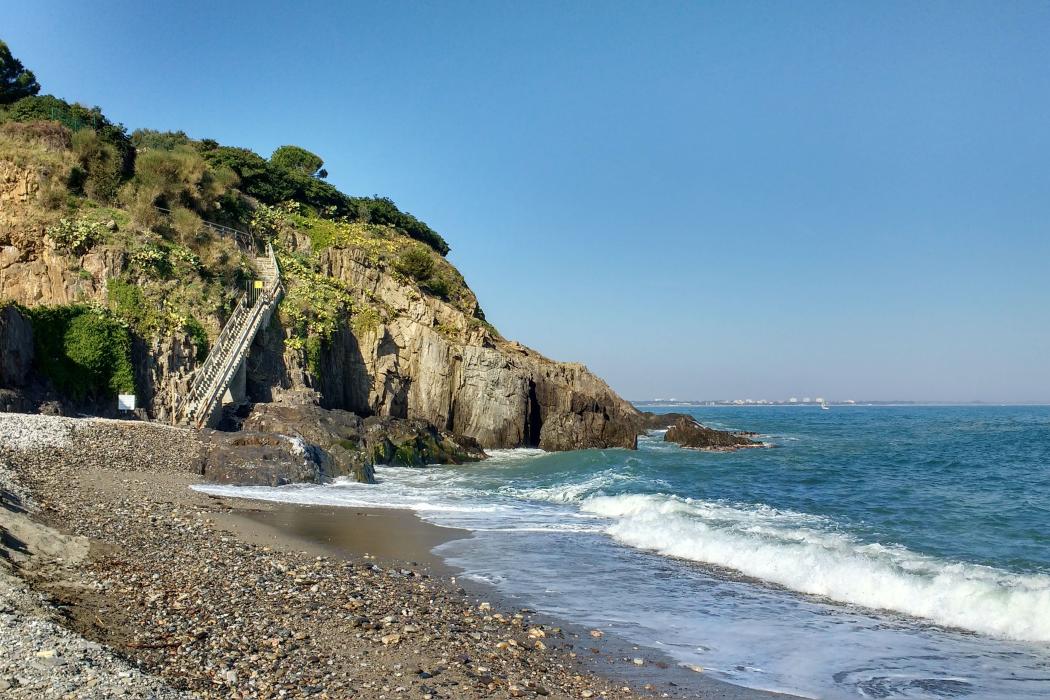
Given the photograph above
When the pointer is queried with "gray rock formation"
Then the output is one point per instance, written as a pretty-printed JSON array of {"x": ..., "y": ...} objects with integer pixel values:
[
  {"x": 426, "y": 359},
  {"x": 286, "y": 444},
  {"x": 16, "y": 347},
  {"x": 687, "y": 432}
]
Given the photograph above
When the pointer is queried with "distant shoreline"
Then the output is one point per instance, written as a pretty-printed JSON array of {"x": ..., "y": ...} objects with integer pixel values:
[{"x": 650, "y": 403}]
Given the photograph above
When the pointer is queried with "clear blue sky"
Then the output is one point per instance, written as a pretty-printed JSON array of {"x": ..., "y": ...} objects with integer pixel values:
[{"x": 702, "y": 200}]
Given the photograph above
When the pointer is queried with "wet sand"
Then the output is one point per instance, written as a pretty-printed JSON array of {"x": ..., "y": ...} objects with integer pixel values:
[{"x": 384, "y": 534}]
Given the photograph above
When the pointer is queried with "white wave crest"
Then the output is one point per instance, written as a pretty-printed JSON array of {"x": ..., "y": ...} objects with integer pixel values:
[
  {"x": 571, "y": 492},
  {"x": 792, "y": 550}
]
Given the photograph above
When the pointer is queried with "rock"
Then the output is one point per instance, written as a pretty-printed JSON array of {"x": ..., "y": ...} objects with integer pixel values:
[
  {"x": 16, "y": 347},
  {"x": 427, "y": 359},
  {"x": 261, "y": 458},
  {"x": 340, "y": 443},
  {"x": 661, "y": 421},
  {"x": 597, "y": 634},
  {"x": 687, "y": 432}
]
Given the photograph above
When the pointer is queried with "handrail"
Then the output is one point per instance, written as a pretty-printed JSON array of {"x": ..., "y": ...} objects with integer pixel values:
[
  {"x": 243, "y": 338},
  {"x": 214, "y": 375},
  {"x": 228, "y": 330}
]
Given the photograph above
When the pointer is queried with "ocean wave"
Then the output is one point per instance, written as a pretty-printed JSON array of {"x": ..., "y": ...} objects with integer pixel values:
[
  {"x": 798, "y": 552},
  {"x": 513, "y": 454},
  {"x": 570, "y": 492}
]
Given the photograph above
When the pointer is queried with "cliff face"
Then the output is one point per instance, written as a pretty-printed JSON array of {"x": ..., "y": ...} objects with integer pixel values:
[
  {"x": 427, "y": 359},
  {"x": 418, "y": 357}
]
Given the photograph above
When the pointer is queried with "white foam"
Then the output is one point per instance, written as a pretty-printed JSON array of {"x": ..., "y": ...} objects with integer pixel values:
[
  {"x": 571, "y": 492},
  {"x": 513, "y": 454},
  {"x": 793, "y": 550}
]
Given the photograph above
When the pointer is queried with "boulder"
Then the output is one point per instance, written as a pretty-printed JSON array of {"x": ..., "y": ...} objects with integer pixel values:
[
  {"x": 340, "y": 443},
  {"x": 263, "y": 459}
]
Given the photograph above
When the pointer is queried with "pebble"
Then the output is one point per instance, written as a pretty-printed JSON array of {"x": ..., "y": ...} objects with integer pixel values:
[{"x": 205, "y": 614}]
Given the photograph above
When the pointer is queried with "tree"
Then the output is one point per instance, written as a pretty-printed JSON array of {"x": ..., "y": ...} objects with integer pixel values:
[
  {"x": 299, "y": 160},
  {"x": 15, "y": 81}
]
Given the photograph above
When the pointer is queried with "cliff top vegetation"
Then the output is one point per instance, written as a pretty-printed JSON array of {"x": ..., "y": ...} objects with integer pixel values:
[{"x": 141, "y": 199}]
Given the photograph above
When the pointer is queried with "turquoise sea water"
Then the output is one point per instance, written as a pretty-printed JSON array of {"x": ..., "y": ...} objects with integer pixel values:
[{"x": 871, "y": 552}]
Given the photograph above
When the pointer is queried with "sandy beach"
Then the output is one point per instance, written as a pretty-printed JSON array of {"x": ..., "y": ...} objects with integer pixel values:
[{"x": 214, "y": 597}]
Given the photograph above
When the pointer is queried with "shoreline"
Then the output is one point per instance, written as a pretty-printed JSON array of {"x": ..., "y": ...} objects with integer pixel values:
[
  {"x": 294, "y": 523},
  {"x": 227, "y": 597}
]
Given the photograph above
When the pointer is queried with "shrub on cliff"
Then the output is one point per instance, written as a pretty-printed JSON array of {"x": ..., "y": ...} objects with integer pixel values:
[
  {"x": 86, "y": 353},
  {"x": 99, "y": 167},
  {"x": 76, "y": 235},
  {"x": 161, "y": 140},
  {"x": 272, "y": 183},
  {"x": 177, "y": 178},
  {"x": 76, "y": 117},
  {"x": 416, "y": 263}
]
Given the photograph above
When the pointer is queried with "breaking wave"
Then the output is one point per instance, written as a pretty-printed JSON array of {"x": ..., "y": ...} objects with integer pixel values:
[{"x": 792, "y": 550}]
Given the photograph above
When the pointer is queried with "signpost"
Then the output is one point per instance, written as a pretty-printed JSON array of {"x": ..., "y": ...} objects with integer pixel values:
[{"x": 126, "y": 402}]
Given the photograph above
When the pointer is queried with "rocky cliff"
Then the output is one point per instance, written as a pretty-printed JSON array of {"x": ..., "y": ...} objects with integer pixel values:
[
  {"x": 396, "y": 350},
  {"x": 425, "y": 358}
]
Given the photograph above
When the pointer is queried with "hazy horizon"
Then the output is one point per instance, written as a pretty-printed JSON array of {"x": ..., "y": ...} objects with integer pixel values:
[{"x": 743, "y": 200}]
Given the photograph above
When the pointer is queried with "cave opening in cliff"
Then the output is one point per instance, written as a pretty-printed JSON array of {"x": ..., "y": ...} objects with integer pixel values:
[{"x": 533, "y": 418}]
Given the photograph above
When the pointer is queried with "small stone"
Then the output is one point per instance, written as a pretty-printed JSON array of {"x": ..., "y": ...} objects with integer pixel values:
[
  {"x": 638, "y": 662},
  {"x": 388, "y": 639},
  {"x": 597, "y": 634}
]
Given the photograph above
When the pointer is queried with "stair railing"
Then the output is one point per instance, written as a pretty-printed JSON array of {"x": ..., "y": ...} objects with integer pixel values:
[{"x": 214, "y": 376}]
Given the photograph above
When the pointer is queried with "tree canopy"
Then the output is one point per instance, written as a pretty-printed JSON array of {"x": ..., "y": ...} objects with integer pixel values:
[
  {"x": 298, "y": 160},
  {"x": 15, "y": 81}
]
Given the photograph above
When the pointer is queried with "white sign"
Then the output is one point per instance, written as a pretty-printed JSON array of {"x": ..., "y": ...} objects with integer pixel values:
[{"x": 126, "y": 402}]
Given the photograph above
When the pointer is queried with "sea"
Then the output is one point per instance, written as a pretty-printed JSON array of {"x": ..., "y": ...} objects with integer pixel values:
[{"x": 869, "y": 551}]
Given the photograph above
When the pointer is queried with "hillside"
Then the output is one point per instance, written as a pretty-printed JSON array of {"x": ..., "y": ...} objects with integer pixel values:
[{"x": 119, "y": 253}]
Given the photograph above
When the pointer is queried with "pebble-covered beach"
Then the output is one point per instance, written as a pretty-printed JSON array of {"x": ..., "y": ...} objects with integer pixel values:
[{"x": 170, "y": 600}]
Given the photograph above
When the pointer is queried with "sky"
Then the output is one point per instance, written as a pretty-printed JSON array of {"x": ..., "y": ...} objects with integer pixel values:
[{"x": 697, "y": 200}]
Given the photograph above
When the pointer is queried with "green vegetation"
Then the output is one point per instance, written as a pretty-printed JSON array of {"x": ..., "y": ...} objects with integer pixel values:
[
  {"x": 36, "y": 108},
  {"x": 273, "y": 184},
  {"x": 313, "y": 307},
  {"x": 298, "y": 160},
  {"x": 416, "y": 263},
  {"x": 141, "y": 201},
  {"x": 15, "y": 81},
  {"x": 85, "y": 352},
  {"x": 76, "y": 235}
]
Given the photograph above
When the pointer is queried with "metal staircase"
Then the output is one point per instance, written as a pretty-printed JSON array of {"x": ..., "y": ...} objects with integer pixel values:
[{"x": 212, "y": 379}]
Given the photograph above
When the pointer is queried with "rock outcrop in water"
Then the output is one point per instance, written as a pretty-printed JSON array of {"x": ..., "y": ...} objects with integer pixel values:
[{"x": 687, "y": 432}]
